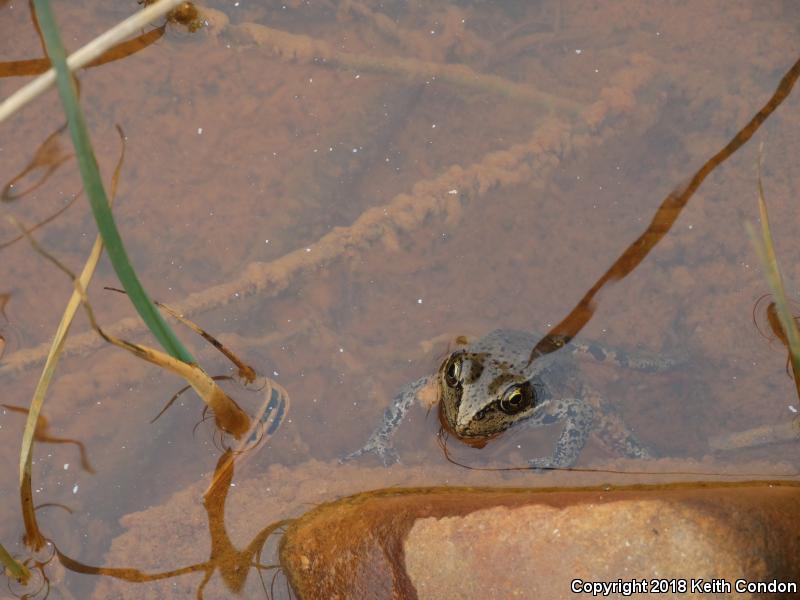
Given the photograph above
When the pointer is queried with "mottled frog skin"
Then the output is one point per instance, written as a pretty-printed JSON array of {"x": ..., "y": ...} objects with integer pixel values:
[{"x": 488, "y": 386}]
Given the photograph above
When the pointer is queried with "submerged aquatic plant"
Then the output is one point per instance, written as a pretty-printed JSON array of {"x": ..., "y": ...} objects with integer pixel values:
[
  {"x": 177, "y": 359},
  {"x": 765, "y": 248}
]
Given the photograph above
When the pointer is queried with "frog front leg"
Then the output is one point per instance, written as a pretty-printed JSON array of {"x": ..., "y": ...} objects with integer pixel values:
[
  {"x": 380, "y": 441},
  {"x": 577, "y": 416}
]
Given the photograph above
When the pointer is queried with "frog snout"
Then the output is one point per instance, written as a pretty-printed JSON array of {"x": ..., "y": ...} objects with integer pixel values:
[
  {"x": 465, "y": 426},
  {"x": 461, "y": 429}
]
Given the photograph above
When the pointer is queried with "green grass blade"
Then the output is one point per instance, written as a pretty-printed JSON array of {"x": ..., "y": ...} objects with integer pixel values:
[
  {"x": 779, "y": 294},
  {"x": 776, "y": 281},
  {"x": 17, "y": 570},
  {"x": 96, "y": 192},
  {"x": 773, "y": 275},
  {"x": 765, "y": 249}
]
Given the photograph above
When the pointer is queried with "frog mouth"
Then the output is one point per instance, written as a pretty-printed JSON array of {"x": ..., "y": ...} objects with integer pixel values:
[{"x": 478, "y": 440}]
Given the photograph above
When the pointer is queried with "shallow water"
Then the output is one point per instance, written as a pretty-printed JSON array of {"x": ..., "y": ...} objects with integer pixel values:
[{"x": 244, "y": 145}]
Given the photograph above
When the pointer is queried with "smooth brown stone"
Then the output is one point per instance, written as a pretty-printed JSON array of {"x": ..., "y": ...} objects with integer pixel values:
[{"x": 531, "y": 543}]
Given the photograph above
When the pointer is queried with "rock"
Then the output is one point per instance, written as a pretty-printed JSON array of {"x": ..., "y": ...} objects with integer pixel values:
[{"x": 524, "y": 543}]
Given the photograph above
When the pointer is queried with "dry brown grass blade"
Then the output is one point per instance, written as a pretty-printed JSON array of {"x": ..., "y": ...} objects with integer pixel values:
[
  {"x": 91, "y": 51},
  {"x": 227, "y": 414},
  {"x": 60, "y": 337},
  {"x": 229, "y": 417},
  {"x": 246, "y": 372}
]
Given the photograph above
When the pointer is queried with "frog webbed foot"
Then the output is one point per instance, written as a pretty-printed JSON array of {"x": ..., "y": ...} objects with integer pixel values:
[
  {"x": 381, "y": 448},
  {"x": 577, "y": 416}
]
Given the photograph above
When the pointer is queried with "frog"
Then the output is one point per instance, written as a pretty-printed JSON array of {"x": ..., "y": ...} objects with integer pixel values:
[{"x": 497, "y": 383}]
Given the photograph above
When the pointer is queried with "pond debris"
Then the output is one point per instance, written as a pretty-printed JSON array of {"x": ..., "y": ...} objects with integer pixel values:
[
  {"x": 293, "y": 47},
  {"x": 186, "y": 14},
  {"x": 427, "y": 199}
]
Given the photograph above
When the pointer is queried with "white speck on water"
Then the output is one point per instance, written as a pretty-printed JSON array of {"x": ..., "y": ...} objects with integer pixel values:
[
  {"x": 419, "y": 300},
  {"x": 691, "y": 226},
  {"x": 308, "y": 249},
  {"x": 75, "y": 489},
  {"x": 578, "y": 50},
  {"x": 452, "y": 192},
  {"x": 276, "y": 374},
  {"x": 793, "y": 409},
  {"x": 66, "y": 466},
  {"x": 341, "y": 349},
  {"x": 358, "y": 77},
  {"x": 199, "y": 131},
  {"x": 266, "y": 241}
]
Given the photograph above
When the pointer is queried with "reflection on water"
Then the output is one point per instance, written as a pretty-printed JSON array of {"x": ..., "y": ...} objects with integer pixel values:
[
  {"x": 233, "y": 565},
  {"x": 329, "y": 185}
]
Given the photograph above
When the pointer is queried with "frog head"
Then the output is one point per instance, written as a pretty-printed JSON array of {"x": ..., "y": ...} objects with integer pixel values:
[{"x": 482, "y": 394}]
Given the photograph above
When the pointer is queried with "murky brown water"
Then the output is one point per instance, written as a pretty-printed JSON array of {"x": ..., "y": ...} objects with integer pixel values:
[{"x": 244, "y": 145}]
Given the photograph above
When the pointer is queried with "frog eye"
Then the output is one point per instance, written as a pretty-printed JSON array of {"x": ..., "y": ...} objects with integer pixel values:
[
  {"x": 515, "y": 399},
  {"x": 452, "y": 372}
]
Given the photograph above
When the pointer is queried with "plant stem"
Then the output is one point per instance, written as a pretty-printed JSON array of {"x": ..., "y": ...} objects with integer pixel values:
[{"x": 96, "y": 192}]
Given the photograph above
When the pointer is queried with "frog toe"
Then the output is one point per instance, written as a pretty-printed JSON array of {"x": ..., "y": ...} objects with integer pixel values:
[
  {"x": 387, "y": 454},
  {"x": 352, "y": 456}
]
